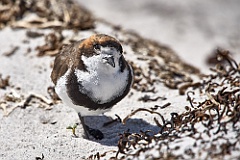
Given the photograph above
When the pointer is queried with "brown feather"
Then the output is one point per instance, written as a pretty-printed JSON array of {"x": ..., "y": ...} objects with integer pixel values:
[{"x": 67, "y": 58}]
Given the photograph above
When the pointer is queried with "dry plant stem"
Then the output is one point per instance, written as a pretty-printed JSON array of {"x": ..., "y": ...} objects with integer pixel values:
[
  {"x": 98, "y": 155},
  {"x": 142, "y": 109},
  {"x": 5, "y": 111},
  {"x": 42, "y": 98},
  {"x": 24, "y": 103}
]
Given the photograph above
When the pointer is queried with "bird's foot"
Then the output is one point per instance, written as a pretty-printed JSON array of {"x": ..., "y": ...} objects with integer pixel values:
[{"x": 97, "y": 134}]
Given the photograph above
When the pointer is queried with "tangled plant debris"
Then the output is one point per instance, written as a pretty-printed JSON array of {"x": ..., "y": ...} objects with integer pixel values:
[
  {"x": 211, "y": 126},
  {"x": 44, "y": 14},
  {"x": 4, "y": 82},
  {"x": 53, "y": 43},
  {"x": 12, "y": 100},
  {"x": 166, "y": 68}
]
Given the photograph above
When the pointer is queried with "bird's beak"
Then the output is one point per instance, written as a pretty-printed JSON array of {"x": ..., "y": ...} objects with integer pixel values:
[{"x": 110, "y": 60}]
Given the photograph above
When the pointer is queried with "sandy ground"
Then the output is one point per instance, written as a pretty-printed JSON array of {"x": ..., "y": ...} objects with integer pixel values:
[
  {"x": 190, "y": 28},
  {"x": 36, "y": 130}
]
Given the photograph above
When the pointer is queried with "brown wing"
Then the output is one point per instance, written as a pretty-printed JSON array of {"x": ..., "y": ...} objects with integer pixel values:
[{"x": 65, "y": 60}]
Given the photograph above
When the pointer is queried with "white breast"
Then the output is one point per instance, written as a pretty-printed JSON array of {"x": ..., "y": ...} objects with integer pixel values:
[
  {"x": 103, "y": 86},
  {"x": 61, "y": 90},
  {"x": 102, "y": 82}
]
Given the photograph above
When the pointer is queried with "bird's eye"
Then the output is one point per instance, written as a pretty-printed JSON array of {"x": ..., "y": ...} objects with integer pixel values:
[{"x": 96, "y": 46}]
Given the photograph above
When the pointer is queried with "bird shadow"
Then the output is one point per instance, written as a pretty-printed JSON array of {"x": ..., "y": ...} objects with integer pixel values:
[{"x": 113, "y": 130}]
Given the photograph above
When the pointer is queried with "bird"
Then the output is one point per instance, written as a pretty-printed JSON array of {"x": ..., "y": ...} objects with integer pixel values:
[{"x": 91, "y": 76}]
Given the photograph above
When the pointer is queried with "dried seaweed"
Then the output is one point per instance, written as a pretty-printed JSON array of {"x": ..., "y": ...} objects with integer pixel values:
[
  {"x": 147, "y": 98},
  {"x": 161, "y": 107},
  {"x": 201, "y": 121},
  {"x": 184, "y": 87},
  {"x": 44, "y": 14},
  {"x": 53, "y": 43},
  {"x": 4, "y": 82},
  {"x": 98, "y": 155},
  {"x": 12, "y": 100},
  {"x": 143, "y": 109},
  {"x": 166, "y": 67},
  {"x": 11, "y": 52},
  {"x": 33, "y": 34},
  {"x": 217, "y": 57}
]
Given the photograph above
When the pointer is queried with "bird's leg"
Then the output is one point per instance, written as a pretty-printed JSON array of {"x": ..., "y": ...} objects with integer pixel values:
[
  {"x": 85, "y": 127},
  {"x": 97, "y": 134}
]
